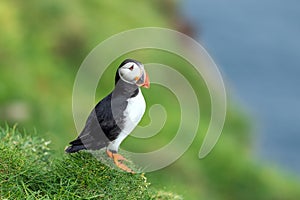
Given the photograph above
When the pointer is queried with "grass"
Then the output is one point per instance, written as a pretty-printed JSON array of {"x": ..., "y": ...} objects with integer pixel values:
[{"x": 28, "y": 171}]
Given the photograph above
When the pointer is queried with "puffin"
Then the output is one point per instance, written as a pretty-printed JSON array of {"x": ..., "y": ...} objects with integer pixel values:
[{"x": 115, "y": 116}]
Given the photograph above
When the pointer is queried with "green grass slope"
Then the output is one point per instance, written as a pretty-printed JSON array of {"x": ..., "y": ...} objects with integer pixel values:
[{"x": 28, "y": 171}]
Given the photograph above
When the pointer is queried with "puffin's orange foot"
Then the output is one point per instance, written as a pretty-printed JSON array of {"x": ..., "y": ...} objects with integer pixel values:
[
  {"x": 117, "y": 158},
  {"x": 109, "y": 153},
  {"x": 122, "y": 166}
]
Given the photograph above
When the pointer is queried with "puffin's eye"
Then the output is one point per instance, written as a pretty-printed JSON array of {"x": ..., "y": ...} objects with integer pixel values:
[{"x": 131, "y": 68}]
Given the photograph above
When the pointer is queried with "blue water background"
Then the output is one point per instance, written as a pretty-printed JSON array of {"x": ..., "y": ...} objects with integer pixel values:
[{"x": 257, "y": 47}]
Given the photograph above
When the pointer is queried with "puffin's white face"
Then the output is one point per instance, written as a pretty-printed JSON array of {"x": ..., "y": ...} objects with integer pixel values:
[
  {"x": 129, "y": 72},
  {"x": 134, "y": 74}
]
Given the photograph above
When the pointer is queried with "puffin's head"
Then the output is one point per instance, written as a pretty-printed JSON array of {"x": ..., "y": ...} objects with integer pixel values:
[{"x": 133, "y": 72}]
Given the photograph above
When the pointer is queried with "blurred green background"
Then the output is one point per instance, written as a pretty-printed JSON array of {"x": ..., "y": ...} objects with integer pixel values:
[{"x": 42, "y": 44}]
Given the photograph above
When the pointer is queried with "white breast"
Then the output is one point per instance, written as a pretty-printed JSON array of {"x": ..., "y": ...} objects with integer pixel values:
[{"x": 134, "y": 112}]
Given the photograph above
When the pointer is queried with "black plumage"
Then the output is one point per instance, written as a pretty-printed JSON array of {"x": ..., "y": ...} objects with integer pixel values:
[{"x": 106, "y": 120}]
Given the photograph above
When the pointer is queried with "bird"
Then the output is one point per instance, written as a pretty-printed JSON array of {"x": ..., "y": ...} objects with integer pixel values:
[{"x": 116, "y": 115}]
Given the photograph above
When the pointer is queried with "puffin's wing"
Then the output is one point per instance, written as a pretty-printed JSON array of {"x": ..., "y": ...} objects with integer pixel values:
[
  {"x": 91, "y": 137},
  {"x": 102, "y": 126},
  {"x": 110, "y": 114}
]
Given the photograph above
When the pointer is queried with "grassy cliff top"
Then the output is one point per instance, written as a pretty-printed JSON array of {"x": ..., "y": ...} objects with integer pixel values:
[{"x": 28, "y": 171}]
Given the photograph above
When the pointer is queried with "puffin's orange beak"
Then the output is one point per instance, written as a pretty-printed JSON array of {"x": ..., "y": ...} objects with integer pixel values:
[
  {"x": 146, "y": 83},
  {"x": 143, "y": 80}
]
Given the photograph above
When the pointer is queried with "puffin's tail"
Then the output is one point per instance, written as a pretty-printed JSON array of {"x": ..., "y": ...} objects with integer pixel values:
[{"x": 76, "y": 145}]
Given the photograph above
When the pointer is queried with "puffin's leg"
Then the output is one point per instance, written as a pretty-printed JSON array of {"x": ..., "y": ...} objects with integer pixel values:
[
  {"x": 112, "y": 155},
  {"x": 117, "y": 157}
]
